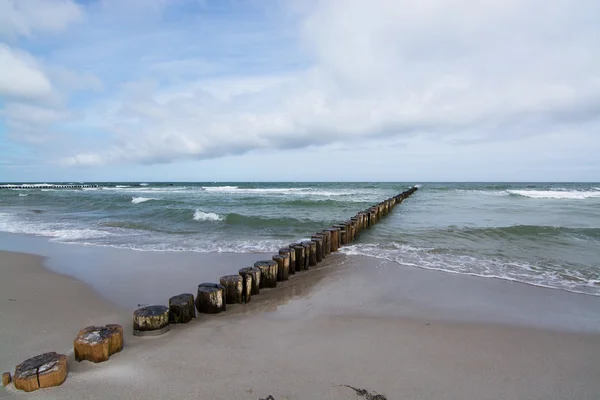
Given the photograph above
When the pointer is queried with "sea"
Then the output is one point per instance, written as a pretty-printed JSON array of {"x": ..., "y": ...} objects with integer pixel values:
[{"x": 543, "y": 234}]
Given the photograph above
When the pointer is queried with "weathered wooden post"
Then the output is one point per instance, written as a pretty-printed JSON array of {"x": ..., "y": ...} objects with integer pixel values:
[
  {"x": 211, "y": 298},
  {"x": 335, "y": 238},
  {"x": 283, "y": 266},
  {"x": 234, "y": 288},
  {"x": 43, "y": 371},
  {"x": 268, "y": 273},
  {"x": 307, "y": 251},
  {"x": 252, "y": 285},
  {"x": 292, "y": 255},
  {"x": 318, "y": 239},
  {"x": 6, "y": 379},
  {"x": 300, "y": 255},
  {"x": 98, "y": 343},
  {"x": 151, "y": 321},
  {"x": 327, "y": 245},
  {"x": 182, "y": 308},
  {"x": 312, "y": 257}
]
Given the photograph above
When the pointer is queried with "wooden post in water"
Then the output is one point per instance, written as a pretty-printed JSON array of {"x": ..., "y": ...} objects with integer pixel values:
[
  {"x": 335, "y": 238},
  {"x": 312, "y": 259},
  {"x": 283, "y": 267},
  {"x": 307, "y": 252},
  {"x": 292, "y": 254}
]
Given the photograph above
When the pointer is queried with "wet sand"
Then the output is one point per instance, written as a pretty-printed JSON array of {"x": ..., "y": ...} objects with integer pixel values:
[{"x": 402, "y": 332}]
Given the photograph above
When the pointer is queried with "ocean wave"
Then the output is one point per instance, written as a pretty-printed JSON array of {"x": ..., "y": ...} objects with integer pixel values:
[
  {"x": 548, "y": 276},
  {"x": 62, "y": 232},
  {"x": 143, "y": 184},
  {"x": 23, "y": 195},
  {"x": 207, "y": 216},
  {"x": 137, "y": 200},
  {"x": 555, "y": 194}
]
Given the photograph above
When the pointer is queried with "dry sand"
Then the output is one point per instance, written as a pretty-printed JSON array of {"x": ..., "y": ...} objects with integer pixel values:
[{"x": 333, "y": 326}]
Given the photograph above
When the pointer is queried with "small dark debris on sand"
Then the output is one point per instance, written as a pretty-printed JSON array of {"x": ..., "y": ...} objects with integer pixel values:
[
  {"x": 268, "y": 398},
  {"x": 365, "y": 393}
]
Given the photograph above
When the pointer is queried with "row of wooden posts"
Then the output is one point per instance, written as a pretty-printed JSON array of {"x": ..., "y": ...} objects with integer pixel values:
[
  {"x": 212, "y": 298},
  {"x": 98, "y": 343}
]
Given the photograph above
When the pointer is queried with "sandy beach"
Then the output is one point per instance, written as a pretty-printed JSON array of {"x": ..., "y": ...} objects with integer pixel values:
[{"x": 352, "y": 321}]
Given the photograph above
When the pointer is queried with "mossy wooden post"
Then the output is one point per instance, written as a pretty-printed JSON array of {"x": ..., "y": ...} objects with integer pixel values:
[
  {"x": 300, "y": 254},
  {"x": 234, "y": 288},
  {"x": 327, "y": 245},
  {"x": 268, "y": 273},
  {"x": 151, "y": 321},
  {"x": 342, "y": 234},
  {"x": 307, "y": 254},
  {"x": 283, "y": 267},
  {"x": 353, "y": 228},
  {"x": 292, "y": 253},
  {"x": 39, "y": 372},
  {"x": 373, "y": 217},
  {"x": 251, "y": 280},
  {"x": 211, "y": 298},
  {"x": 98, "y": 343},
  {"x": 182, "y": 308},
  {"x": 319, "y": 240}
]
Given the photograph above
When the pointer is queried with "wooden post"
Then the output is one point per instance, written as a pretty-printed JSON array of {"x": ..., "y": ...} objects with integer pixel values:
[
  {"x": 234, "y": 288},
  {"x": 151, "y": 321},
  {"x": 307, "y": 252},
  {"x": 318, "y": 239},
  {"x": 6, "y": 379},
  {"x": 283, "y": 266},
  {"x": 327, "y": 245},
  {"x": 312, "y": 253},
  {"x": 211, "y": 298},
  {"x": 182, "y": 308},
  {"x": 43, "y": 371},
  {"x": 292, "y": 254},
  {"x": 335, "y": 241},
  {"x": 300, "y": 254},
  {"x": 344, "y": 237},
  {"x": 98, "y": 343},
  {"x": 251, "y": 281},
  {"x": 268, "y": 273}
]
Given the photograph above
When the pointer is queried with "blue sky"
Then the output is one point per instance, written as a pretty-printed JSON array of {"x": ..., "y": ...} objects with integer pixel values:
[{"x": 258, "y": 90}]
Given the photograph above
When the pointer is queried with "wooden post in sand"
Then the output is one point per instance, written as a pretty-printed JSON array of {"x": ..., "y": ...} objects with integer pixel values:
[
  {"x": 327, "y": 245},
  {"x": 211, "y": 298},
  {"x": 335, "y": 238},
  {"x": 182, "y": 308},
  {"x": 300, "y": 254},
  {"x": 283, "y": 266},
  {"x": 318, "y": 239},
  {"x": 312, "y": 256},
  {"x": 292, "y": 255},
  {"x": 234, "y": 286},
  {"x": 98, "y": 343},
  {"x": 268, "y": 273},
  {"x": 151, "y": 321},
  {"x": 251, "y": 282},
  {"x": 6, "y": 379},
  {"x": 43, "y": 371}
]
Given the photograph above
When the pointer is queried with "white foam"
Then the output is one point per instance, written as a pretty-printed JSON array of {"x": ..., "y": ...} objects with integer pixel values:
[
  {"x": 207, "y": 216},
  {"x": 143, "y": 184},
  {"x": 556, "y": 194},
  {"x": 137, "y": 200},
  {"x": 57, "y": 231},
  {"x": 551, "y": 277},
  {"x": 122, "y": 186},
  {"x": 23, "y": 194}
]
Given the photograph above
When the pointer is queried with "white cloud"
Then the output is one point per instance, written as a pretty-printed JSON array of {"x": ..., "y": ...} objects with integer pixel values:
[
  {"x": 25, "y": 17},
  {"x": 20, "y": 76},
  {"x": 455, "y": 71}
]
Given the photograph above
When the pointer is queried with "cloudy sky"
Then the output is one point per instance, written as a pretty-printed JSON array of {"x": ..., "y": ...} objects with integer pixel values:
[{"x": 296, "y": 90}]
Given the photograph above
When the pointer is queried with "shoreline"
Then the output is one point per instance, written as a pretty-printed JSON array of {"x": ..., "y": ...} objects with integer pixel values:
[{"x": 303, "y": 340}]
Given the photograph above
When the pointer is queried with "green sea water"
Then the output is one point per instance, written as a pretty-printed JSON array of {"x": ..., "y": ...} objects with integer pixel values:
[{"x": 545, "y": 234}]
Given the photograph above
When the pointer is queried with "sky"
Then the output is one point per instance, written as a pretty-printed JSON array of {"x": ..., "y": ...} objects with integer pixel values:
[{"x": 299, "y": 90}]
